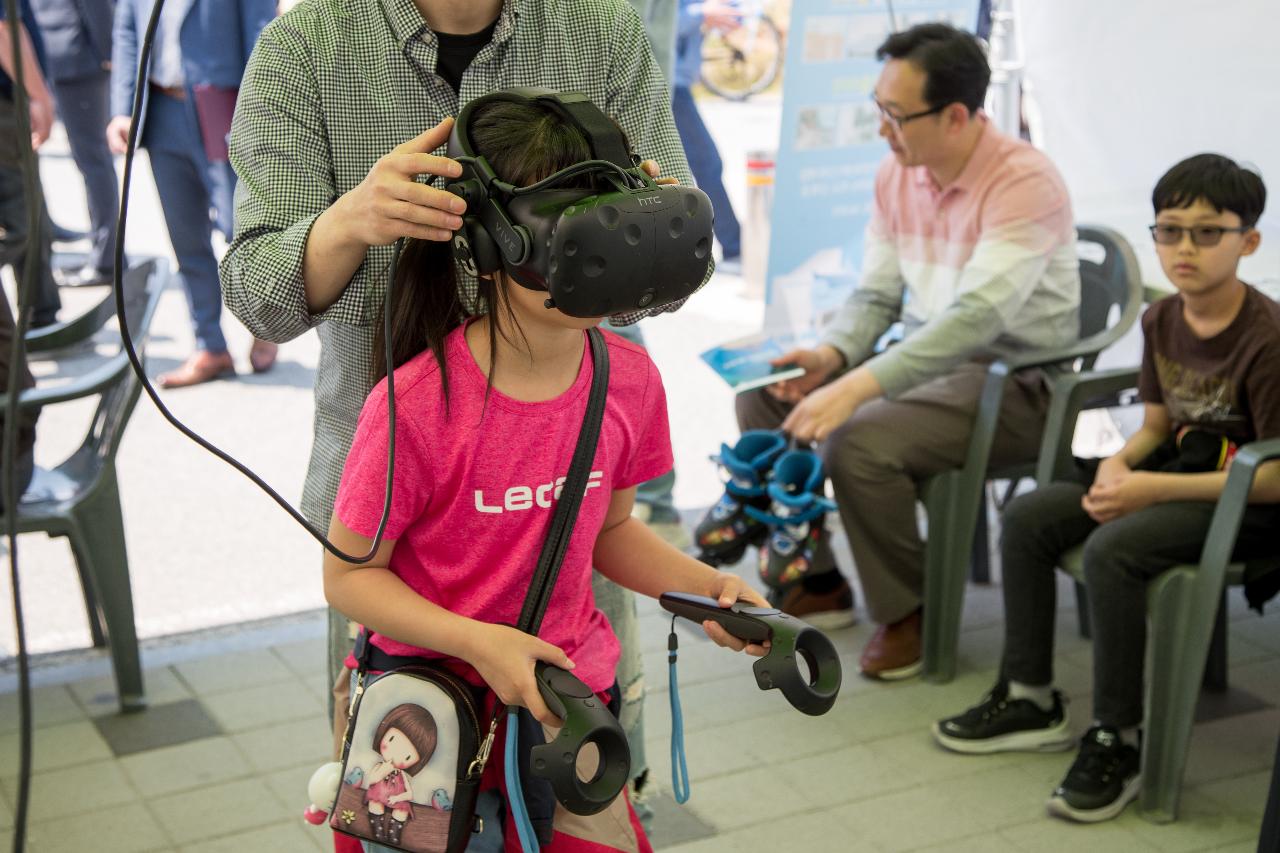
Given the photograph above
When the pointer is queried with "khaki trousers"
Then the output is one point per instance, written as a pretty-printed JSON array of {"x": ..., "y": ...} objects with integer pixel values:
[{"x": 880, "y": 458}]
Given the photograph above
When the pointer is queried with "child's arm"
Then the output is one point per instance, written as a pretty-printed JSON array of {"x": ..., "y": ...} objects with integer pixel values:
[
  {"x": 1155, "y": 429},
  {"x": 631, "y": 555},
  {"x": 374, "y": 596},
  {"x": 1118, "y": 491}
]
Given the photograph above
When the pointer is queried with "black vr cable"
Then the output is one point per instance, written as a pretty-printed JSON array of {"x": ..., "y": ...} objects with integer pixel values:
[
  {"x": 17, "y": 355},
  {"x": 144, "y": 61}
]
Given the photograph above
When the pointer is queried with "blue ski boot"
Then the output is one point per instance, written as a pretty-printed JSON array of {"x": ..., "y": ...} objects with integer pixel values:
[
  {"x": 725, "y": 532},
  {"x": 794, "y": 519}
]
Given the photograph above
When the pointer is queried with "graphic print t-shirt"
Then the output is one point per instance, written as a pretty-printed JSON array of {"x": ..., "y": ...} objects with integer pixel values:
[
  {"x": 476, "y": 485},
  {"x": 1227, "y": 384}
]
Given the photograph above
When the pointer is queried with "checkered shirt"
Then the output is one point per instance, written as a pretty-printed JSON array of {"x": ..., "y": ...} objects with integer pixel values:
[{"x": 332, "y": 86}]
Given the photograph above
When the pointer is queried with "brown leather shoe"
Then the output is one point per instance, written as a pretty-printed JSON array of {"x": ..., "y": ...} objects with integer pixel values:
[
  {"x": 202, "y": 366},
  {"x": 893, "y": 652},
  {"x": 827, "y": 611},
  {"x": 262, "y": 355}
]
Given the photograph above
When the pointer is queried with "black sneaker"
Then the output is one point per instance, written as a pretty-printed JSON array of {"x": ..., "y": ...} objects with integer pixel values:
[
  {"x": 1101, "y": 782},
  {"x": 1001, "y": 724}
]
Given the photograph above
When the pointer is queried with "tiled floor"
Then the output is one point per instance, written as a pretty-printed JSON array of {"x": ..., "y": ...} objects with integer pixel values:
[{"x": 236, "y": 725}]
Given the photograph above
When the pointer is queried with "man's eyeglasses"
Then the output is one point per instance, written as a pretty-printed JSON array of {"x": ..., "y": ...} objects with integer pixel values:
[
  {"x": 1203, "y": 236},
  {"x": 898, "y": 121}
]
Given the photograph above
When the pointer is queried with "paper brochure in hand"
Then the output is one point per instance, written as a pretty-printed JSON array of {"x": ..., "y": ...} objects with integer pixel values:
[{"x": 745, "y": 363}]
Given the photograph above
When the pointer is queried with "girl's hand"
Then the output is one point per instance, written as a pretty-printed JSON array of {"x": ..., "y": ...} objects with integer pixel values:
[
  {"x": 726, "y": 589},
  {"x": 504, "y": 657}
]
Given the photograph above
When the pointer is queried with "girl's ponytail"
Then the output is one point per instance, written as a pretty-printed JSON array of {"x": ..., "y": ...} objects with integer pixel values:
[{"x": 426, "y": 306}]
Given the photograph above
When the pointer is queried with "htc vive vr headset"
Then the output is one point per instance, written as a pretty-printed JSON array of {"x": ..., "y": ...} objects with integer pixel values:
[{"x": 624, "y": 244}]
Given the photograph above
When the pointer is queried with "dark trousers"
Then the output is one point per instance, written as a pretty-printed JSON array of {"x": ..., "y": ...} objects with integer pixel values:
[
  {"x": 879, "y": 459},
  {"x": 194, "y": 194},
  {"x": 1269, "y": 840},
  {"x": 82, "y": 106},
  {"x": 1120, "y": 557},
  {"x": 707, "y": 168},
  {"x": 45, "y": 300}
]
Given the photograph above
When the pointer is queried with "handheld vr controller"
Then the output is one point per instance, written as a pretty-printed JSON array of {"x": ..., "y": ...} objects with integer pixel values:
[
  {"x": 625, "y": 243},
  {"x": 586, "y": 720},
  {"x": 789, "y": 638}
]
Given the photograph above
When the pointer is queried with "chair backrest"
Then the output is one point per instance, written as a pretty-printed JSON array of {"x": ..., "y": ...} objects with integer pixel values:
[
  {"x": 1110, "y": 281},
  {"x": 143, "y": 285}
]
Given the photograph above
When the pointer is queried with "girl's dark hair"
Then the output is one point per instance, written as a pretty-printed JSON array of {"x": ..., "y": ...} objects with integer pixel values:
[
  {"x": 418, "y": 726},
  {"x": 1220, "y": 181},
  {"x": 524, "y": 142},
  {"x": 955, "y": 68}
]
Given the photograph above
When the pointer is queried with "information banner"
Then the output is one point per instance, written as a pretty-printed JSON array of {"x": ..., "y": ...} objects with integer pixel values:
[{"x": 830, "y": 148}]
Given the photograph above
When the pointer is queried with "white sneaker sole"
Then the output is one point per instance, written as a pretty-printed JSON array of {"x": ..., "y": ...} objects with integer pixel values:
[
  {"x": 1059, "y": 807},
  {"x": 1055, "y": 739},
  {"x": 830, "y": 620}
]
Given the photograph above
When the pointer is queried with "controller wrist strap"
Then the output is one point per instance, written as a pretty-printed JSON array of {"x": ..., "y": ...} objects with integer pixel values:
[
  {"x": 548, "y": 567},
  {"x": 679, "y": 769}
]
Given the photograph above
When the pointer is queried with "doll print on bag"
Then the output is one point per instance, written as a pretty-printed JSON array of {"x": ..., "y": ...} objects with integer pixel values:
[{"x": 404, "y": 741}]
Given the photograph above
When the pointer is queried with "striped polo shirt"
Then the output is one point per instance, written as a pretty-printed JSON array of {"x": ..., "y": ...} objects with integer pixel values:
[{"x": 983, "y": 268}]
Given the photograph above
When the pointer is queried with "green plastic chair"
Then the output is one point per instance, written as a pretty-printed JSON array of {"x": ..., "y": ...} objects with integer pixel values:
[
  {"x": 1185, "y": 606},
  {"x": 1110, "y": 285},
  {"x": 80, "y": 498},
  {"x": 69, "y": 333}
]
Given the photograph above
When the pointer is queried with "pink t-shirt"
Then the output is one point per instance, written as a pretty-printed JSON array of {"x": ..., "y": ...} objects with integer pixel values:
[{"x": 475, "y": 489}]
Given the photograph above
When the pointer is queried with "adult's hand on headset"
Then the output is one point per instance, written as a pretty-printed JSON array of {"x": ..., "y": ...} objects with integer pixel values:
[
  {"x": 818, "y": 365},
  {"x": 389, "y": 204},
  {"x": 654, "y": 171},
  {"x": 505, "y": 657}
]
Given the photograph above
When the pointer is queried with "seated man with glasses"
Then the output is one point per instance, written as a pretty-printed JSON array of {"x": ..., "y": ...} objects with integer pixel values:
[
  {"x": 1208, "y": 384},
  {"x": 971, "y": 245}
]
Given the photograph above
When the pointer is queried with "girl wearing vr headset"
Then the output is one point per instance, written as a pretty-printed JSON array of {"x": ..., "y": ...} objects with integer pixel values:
[{"x": 491, "y": 403}]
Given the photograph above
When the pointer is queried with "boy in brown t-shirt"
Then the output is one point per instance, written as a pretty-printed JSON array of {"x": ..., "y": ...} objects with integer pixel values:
[{"x": 1208, "y": 385}]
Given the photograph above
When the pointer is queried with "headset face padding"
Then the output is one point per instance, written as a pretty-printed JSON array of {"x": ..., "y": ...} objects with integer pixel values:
[{"x": 613, "y": 249}]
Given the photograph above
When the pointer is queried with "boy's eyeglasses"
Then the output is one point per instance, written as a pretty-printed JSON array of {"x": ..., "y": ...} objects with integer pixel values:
[
  {"x": 899, "y": 121},
  {"x": 1202, "y": 235}
]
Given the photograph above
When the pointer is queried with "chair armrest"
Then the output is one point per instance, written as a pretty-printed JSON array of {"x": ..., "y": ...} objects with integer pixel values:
[
  {"x": 1221, "y": 540},
  {"x": 93, "y": 382},
  {"x": 1090, "y": 346},
  {"x": 991, "y": 397},
  {"x": 1071, "y": 394},
  {"x": 82, "y": 328}
]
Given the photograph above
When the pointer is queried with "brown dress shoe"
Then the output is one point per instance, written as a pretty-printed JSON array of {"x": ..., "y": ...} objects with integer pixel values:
[
  {"x": 202, "y": 366},
  {"x": 893, "y": 652},
  {"x": 262, "y": 355}
]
